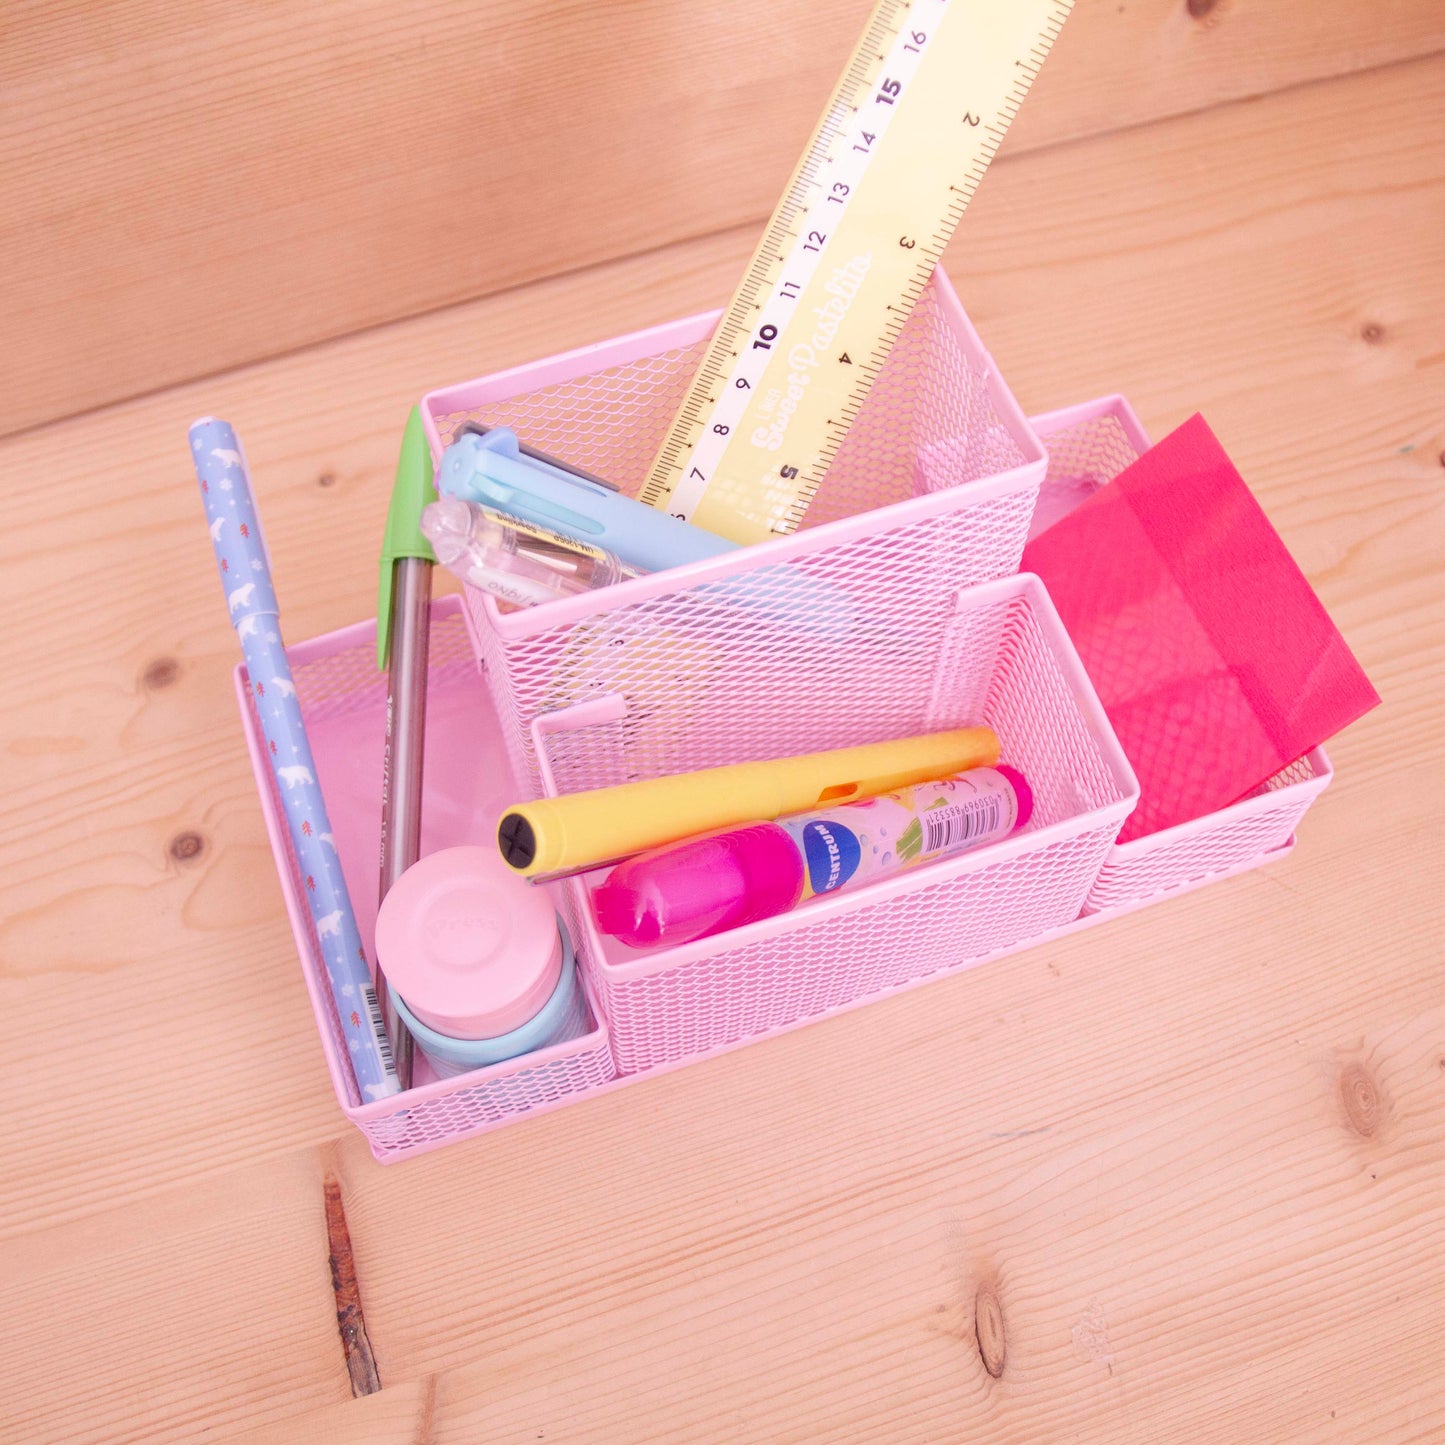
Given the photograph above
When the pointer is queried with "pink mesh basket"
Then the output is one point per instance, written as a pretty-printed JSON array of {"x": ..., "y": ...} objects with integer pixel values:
[
  {"x": 997, "y": 654},
  {"x": 932, "y": 490},
  {"x": 865, "y": 625},
  {"x": 1089, "y": 445},
  {"x": 343, "y": 698}
]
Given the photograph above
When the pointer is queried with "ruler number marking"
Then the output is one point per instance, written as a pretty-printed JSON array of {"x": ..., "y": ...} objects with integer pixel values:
[{"x": 882, "y": 75}]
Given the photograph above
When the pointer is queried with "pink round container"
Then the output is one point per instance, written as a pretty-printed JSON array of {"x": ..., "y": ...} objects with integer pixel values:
[{"x": 472, "y": 950}]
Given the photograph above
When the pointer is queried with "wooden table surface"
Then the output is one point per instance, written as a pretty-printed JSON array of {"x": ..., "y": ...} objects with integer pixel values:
[{"x": 1183, "y": 1173}]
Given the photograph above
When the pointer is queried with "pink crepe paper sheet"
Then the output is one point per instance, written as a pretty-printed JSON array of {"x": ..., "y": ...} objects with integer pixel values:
[{"x": 1216, "y": 662}]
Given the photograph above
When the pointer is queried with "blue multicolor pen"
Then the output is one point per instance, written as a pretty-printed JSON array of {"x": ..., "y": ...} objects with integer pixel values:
[{"x": 251, "y": 597}]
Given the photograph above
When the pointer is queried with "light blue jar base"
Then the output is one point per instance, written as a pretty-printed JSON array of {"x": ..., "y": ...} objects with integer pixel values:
[{"x": 562, "y": 1017}]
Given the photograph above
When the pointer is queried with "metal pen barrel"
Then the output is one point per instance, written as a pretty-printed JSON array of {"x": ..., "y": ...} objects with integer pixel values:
[{"x": 402, "y": 767}]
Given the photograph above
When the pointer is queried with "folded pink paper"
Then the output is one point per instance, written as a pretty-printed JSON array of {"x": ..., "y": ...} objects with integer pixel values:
[{"x": 1216, "y": 662}]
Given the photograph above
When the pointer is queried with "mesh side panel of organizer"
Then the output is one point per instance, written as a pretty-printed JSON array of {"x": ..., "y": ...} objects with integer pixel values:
[
  {"x": 1040, "y": 729},
  {"x": 929, "y": 391},
  {"x": 331, "y": 683},
  {"x": 1083, "y": 457},
  {"x": 312, "y": 953},
  {"x": 609, "y": 423},
  {"x": 831, "y": 609},
  {"x": 336, "y": 681},
  {"x": 480, "y": 1100},
  {"x": 932, "y": 388},
  {"x": 831, "y": 644},
  {"x": 996, "y": 665},
  {"x": 794, "y": 976},
  {"x": 1225, "y": 839},
  {"x": 1097, "y": 448},
  {"x": 511, "y": 710}
]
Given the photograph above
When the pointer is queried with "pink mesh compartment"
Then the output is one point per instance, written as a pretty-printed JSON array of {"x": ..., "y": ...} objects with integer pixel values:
[
  {"x": 1089, "y": 445},
  {"x": 997, "y": 655},
  {"x": 1221, "y": 843},
  {"x": 932, "y": 490},
  {"x": 344, "y": 698}
]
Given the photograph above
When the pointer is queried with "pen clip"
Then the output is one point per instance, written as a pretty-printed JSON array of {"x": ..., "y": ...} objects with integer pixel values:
[
  {"x": 480, "y": 429},
  {"x": 492, "y": 467}
]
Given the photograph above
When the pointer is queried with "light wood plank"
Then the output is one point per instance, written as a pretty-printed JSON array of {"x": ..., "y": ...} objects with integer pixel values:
[
  {"x": 226, "y": 1279},
  {"x": 798, "y": 1255},
  {"x": 788, "y": 1243},
  {"x": 398, "y": 1416},
  {"x": 188, "y": 190}
]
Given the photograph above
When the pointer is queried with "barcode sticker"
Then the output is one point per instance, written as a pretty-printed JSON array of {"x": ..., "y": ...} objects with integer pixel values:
[
  {"x": 378, "y": 1026},
  {"x": 961, "y": 823}
]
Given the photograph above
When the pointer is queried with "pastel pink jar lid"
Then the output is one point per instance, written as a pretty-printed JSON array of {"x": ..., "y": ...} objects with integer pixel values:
[{"x": 472, "y": 948}]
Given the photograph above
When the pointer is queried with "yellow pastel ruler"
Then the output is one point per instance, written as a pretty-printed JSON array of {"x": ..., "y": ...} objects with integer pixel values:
[{"x": 908, "y": 133}]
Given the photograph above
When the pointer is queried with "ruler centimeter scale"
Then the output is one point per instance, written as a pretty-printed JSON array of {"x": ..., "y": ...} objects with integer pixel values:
[{"x": 909, "y": 131}]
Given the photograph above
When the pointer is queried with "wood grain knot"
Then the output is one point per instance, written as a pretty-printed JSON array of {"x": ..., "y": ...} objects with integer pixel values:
[
  {"x": 988, "y": 1329},
  {"x": 1361, "y": 1100},
  {"x": 1198, "y": 9},
  {"x": 161, "y": 673},
  {"x": 326, "y": 479},
  {"x": 186, "y": 847},
  {"x": 1372, "y": 333}
]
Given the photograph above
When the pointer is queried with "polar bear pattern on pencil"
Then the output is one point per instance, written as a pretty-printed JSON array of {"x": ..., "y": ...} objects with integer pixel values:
[{"x": 251, "y": 601}]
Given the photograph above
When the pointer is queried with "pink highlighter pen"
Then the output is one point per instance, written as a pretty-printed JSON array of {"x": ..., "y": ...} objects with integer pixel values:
[{"x": 717, "y": 881}]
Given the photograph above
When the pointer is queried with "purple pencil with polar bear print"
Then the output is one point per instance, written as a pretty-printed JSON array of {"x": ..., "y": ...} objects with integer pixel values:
[{"x": 251, "y": 597}]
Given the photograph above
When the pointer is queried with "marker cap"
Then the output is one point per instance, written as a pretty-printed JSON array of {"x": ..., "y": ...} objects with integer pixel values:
[{"x": 690, "y": 890}]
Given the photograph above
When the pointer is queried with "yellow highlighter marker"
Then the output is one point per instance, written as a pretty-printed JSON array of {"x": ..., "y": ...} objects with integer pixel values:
[{"x": 582, "y": 830}]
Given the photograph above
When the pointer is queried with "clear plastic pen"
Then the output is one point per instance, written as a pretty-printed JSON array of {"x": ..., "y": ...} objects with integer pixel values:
[{"x": 516, "y": 561}]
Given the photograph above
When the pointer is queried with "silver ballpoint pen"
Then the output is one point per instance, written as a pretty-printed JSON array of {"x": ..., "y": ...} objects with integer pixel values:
[{"x": 403, "y": 633}]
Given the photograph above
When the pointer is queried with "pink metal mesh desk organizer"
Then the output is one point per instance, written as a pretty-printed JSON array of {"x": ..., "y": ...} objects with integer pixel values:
[
  {"x": 344, "y": 700},
  {"x": 1088, "y": 446},
  {"x": 886, "y": 539},
  {"x": 736, "y": 659},
  {"x": 998, "y": 655}
]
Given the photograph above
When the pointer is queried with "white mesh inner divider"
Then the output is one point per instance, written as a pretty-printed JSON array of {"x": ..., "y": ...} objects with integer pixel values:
[{"x": 852, "y": 623}]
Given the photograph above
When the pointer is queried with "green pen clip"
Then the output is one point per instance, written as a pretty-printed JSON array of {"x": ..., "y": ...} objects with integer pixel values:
[{"x": 414, "y": 487}]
